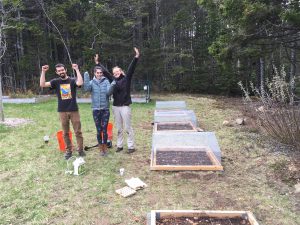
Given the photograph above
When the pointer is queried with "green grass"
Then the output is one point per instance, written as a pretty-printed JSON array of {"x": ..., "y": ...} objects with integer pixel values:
[{"x": 35, "y": 189}]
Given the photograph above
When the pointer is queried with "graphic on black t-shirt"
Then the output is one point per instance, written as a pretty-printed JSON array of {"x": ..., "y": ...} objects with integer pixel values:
[{"x": 65, "y": 91}]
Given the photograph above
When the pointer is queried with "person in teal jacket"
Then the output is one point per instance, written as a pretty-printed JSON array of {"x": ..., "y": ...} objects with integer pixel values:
[{"x": 100, "y": 89}]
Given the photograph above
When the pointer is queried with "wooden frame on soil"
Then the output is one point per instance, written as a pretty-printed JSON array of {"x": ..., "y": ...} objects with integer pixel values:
[
  {"x": 215, "y": 164},
  {"x": 189, "y": 123},
  {"x": 160, "y": 214}
]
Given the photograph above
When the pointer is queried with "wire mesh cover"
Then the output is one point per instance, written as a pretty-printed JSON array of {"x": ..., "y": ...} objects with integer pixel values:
[
  {"x": 174, "y": 126},
  {"x": 175, "y": 116},
  {"x": 182, "y": 157},
  {"x": 186, "y": 139},
  {"x": 170, "y": 105}
]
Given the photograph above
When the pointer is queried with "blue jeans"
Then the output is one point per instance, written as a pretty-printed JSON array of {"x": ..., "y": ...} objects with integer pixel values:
[{"x": 101, "y": 118}]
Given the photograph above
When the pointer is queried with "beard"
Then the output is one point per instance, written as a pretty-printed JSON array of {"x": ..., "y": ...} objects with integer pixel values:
[{"x": 63, "y": 75}]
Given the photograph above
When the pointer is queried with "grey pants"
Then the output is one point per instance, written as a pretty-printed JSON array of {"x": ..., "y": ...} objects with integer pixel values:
[{"x": 122, "y": 116}]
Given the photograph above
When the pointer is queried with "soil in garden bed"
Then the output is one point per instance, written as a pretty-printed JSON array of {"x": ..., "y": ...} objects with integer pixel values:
[
  {"x": 201, "y": 221},
  {"x": 176, "y": 126},
  {"x": 182, "y": 158}
]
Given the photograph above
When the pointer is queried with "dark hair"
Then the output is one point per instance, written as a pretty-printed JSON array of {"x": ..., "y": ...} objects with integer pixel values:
[
  {"x": 60, "y": 65},
  {"x": 97, "y": 68}
]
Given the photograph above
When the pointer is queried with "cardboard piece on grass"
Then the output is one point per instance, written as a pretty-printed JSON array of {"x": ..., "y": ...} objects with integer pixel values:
[
  {"x": 135, "y": 183},
  {"x": 126, "y": 191}
]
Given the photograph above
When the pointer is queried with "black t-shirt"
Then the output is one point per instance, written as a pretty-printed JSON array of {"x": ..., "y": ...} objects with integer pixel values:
[{"x": 66, "y": 94}]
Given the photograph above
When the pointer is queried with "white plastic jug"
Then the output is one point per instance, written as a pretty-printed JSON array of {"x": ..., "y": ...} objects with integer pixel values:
[{"x": 79, "y": 166}]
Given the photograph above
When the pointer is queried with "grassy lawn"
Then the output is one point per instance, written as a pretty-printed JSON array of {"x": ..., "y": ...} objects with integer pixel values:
[{"x": 35, "y": 189}]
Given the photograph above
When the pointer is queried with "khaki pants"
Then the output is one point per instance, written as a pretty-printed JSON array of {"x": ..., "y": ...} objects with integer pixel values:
[
  {"x": 122, "y": 116},
  {"x": 65, "y": 118}
]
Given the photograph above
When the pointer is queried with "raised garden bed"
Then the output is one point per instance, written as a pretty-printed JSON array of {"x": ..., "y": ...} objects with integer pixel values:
[
  {"x": 200, "y": 217},
  {"x": 170, "y": 105},
  {"x": 184, "y": 158},
  {"x": 174, "y": 126},
  {"x": 186, "y": 139},
  {"x": 166, "y": 116}
]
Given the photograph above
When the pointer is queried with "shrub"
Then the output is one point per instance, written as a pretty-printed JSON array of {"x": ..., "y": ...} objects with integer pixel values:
[{"x": 277, "y": 113}]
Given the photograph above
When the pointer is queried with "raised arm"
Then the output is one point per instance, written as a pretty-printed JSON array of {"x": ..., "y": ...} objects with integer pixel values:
[
  {"x": 87, "y": 84},
  {"x": 106, "y": 73},
  {"x": 111, "y": 88},
  {"x": 133, "y": 63},
  {"x": 43, "y": 82},
  {"x": 79, "y": 80}
]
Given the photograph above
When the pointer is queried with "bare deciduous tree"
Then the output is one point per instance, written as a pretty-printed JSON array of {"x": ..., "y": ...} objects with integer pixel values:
[
  {"x": 4, "y": 16},
  {"x": 2, "y": 52}
]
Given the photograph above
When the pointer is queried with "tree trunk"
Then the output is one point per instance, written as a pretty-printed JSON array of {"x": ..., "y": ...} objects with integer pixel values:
[
  {"x": 1, "y": 96},
  {"x": 257, "y": 72},
  {"x": 156, "y": 23},
  {"x": 2, "y": 51},
  {"x": 20, "y": 48},
  {"x": 292, "y": 73},
  {"x": 262, "y": 75}
]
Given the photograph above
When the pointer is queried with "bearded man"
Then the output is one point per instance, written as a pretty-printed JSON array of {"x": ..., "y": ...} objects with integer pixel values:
[{"x": 65, "y": 88}]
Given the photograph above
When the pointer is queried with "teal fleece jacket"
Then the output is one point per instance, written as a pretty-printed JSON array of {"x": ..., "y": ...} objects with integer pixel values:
[{"x": 100, "y": 91}]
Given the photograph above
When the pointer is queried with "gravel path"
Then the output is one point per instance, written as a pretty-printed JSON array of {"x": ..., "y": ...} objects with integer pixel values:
[{"x": 14, "y": 122}]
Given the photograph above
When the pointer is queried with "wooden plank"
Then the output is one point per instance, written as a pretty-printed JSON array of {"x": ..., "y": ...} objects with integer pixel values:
[
  {"x": 176, "y": 168},
  {"x": 153, "y": 161},
  {"x": 213, "y": 158},
  {"x": 154, "y": 158},
  {"x": 202, "y": 213},
  {"x": 155, "y": 128},
  {"x": 153, "y": 217},
  {"x": 218, "y": 214},
  {"x": 216, "y": 166},
  {"x": 251, "y": 218}
]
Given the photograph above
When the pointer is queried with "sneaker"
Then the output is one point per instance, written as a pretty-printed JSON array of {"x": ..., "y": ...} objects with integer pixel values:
[
  {"x": 109, "y": 144},
  {"x": 130, "y": 150},
  {"x": 119, "y": 149},
  {"x": 68, "y": 155},
  {"x": 81, "y": 153}
]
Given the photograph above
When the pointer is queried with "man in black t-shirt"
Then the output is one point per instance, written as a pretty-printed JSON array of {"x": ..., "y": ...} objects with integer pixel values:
[{"x": 65, "y": 88}]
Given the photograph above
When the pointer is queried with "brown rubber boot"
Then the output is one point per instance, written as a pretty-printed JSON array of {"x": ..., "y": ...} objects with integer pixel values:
[
  {"x": 100, "y": 148},
  {"x": 104, "y": 150}
]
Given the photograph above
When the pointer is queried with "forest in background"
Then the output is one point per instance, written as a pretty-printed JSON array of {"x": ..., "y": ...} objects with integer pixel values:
[{"x": 204, "y": 46}]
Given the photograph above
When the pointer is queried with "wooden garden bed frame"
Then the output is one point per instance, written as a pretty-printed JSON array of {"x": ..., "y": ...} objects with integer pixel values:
[
  {"x": 160, "y": 214},
  {"x": 155, "y": 128},
  {"x": 216, "y": 165}
]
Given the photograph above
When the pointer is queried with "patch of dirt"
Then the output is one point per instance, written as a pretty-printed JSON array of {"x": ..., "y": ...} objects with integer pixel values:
[
  {"x": 205, "y": 176},
  {"x": 182, "y": 158},
  {"x": 189, "y": 175},
  {"x": 222, "y": 201},
  {"x": 250, "y": 121},
  {"x": 225, "y": 102},
  {"x": 145, "y": 126},
  {"x": 201, "y": 221},
  {"x": 287, "y": 171},
  {"x": 210, "y": 176},
  {"x": 15, "y": 122}
]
